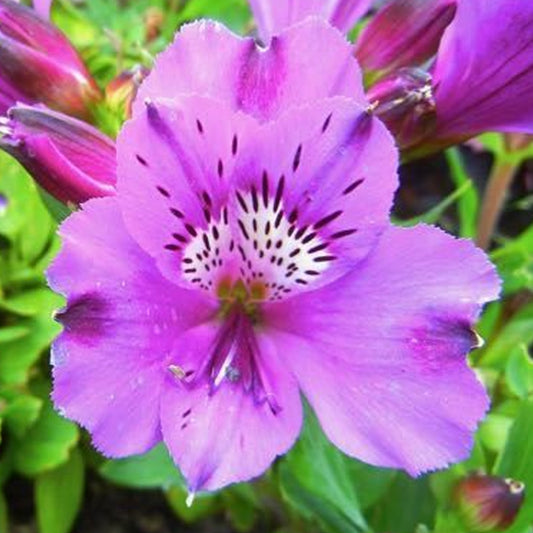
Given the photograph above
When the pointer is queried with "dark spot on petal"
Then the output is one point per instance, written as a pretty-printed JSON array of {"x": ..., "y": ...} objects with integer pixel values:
[
  {"x": 265, "y": 188},
  {"x": 163, "y": 191},
  {"x": 297, "y": 158},
  {"x": 279, "y": 192},
  {"x": 199, "y": 126},
  {"x": 352, "y": 186},
  {"x": 141, "y": 160},
  {"x": 242, "y": 202},
  {"x": 176, "y": 212},
  {"x": 326, "y": 220},
  {"x": 179, "y": 237},
  {"x": 191, "y": 230},
  {"x": 344, "y": 233},
  {"x": 325, "y": 126}
]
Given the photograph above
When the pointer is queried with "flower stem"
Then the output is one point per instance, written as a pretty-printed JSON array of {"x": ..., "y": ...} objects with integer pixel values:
[{"x": 500, "y": 180}]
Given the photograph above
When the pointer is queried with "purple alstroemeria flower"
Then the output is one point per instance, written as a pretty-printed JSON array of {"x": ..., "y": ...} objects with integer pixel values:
[
  {"x": 483, "y": 73},
  {"x": 247, "y": 258},
  {"x": 272, "y": 16},
  {"x": 39, "y": 65},
  {"x": 70, "y": 159}
]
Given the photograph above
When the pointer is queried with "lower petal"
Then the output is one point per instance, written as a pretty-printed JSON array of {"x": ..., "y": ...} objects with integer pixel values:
[
  {"x": 226, "y": 436},
  {"x": 380, "y": 354}
]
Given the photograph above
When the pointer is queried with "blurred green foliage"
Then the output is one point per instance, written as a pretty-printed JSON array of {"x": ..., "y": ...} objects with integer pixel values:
[{"x": 315, "y": 487}]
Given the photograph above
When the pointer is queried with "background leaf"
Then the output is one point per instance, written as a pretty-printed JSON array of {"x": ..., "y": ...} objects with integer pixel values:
[{"x": 59, "y": 494}]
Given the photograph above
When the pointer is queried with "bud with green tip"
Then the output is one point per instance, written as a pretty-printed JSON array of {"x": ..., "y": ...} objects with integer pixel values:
[{"x": 488, "y": 503}]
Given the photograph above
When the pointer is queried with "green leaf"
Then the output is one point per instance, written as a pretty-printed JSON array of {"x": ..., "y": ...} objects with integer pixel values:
[
  {"x": 408, "y": 504},
  {"x": 494, "y": 430},
  {"x": 58, "y": 495},
  {"x": 241, "y": 506},
  {"x": 434, "y": 214},
  {"x": 233, "y": 13},
  {"x": 515, "y": 262},
  {"x": 519, "y": 372},
  {"x": 316, "y": 478},
  {"x": 26, "y": 221},
  {"x": 46, "y": 444},
  {"x": 12, "y": 333},
  {"x": 515, "y": 462},
  {"x": 27, "y": 303},
  {"x": 468, "y": 202},
  {"x": 21, "y": 413},
  {"x": 153, "y": 469},
  {"x": 495, "y": 143},
  {"x": 517, "y": 331},
  {"x": 19, "y": 355}
]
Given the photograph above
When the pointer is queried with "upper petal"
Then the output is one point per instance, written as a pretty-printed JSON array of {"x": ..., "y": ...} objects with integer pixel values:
[
  {"x": 120, "y": 323},
  {"x": 214, "y": 62},
  {"x": 484, "y": 69},
  {"x": 380, "y": 354},
  {"x": 214, "y": 196},
  {"x": 272, "y": 16},
  {"x": 328, "y": 173}
]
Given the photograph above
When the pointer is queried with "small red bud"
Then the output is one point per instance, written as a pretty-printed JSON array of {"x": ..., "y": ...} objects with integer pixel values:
[
  {"x": 488, "y": 503},
  {"x": 122, "y": 90}
]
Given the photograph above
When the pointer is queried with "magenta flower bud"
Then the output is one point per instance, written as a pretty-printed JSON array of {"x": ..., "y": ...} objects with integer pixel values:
[
  {"x": 488, "y": 503},
  {"x": 404, "y": 33},
  {"x": 70, "y": 159},
  {"x": 404, "y": 101},
  {"x": 39, "y": 65}
]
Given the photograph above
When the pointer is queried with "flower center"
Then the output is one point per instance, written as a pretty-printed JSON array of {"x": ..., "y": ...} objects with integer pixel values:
[
  {"x": 260, "y": 249},
  {"x": 233, "y": 356}
]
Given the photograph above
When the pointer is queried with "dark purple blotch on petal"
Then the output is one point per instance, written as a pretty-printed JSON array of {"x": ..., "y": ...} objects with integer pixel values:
[
  {"x": 260, "y": 79},
  {"x": 84, "y": 317},
  {"x": 439, "y": 330}
]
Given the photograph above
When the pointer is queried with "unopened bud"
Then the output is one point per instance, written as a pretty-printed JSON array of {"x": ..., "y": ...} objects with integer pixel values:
[
  {"x": 404, "y": 33},
  {"x": 153, "y": 22},
  {"x": 70, "y": 159},
  {"x": 488, "y": 503},
  {"x": 39, "y": 65},
  {"x": 404, "y": 101},
  {"x": 122, "y": 90}
]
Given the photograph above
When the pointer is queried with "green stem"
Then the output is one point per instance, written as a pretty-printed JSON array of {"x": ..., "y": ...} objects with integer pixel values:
[{"x": 500, "y": 180}]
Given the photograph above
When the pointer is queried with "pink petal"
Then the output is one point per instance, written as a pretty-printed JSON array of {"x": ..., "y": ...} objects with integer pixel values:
[
  {"x": 227, "y": 436},
  {"x": 380, "y": 353},
  {"x": 176, "y": 160},
  {"x": 272, "y": 16},
  {"x": 336, "y": 164},
  {"x": 191, "y": 173},
  {"x": 110, "y": 361},
  {"x": 43, "y": 7},
  {"x": 305, "y": 63},
  {"x": 484, "y": 70}
]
